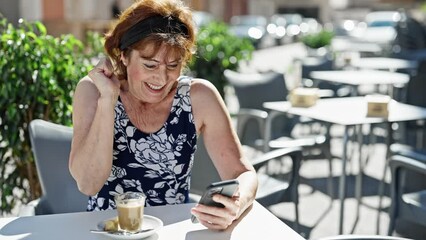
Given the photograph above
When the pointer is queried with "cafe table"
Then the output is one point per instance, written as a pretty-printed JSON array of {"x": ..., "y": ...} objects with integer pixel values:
[
  {"x": 348, "y": 112},
  {"x": 356, "y": 78},
  {"x": 257, "y": 223},
  {"x": 384, "y": 63},
  {"x": 342, "y": 45}
]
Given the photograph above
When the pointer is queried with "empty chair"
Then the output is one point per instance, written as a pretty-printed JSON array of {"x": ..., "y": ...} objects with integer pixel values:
[
  {"x": 415, "y": 132},
  {"x": 327, "y": 89},
  {"x": 51, "y": 144},
  {"x": 203, "y": 171},
  {"x": 252, "y": 90},
  {"x": 407, "y": 204},
  {"x": 272, "y": 189}
]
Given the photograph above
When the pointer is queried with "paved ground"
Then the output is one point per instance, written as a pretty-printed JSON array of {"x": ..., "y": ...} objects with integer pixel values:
[{"x": 319, "y": 211}]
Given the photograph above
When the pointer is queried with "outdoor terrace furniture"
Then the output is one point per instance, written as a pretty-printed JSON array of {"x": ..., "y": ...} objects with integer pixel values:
[
  {"x": 51, "y": 144},
  {"x": 409, "y": 205},
  {"x": 272, "y": 189},
  {"x": 310, "y": 64},
  {"x": 350, "y": 112},
  {"x": 176, "y": 220},
  {"x": 258, "y": 128}
]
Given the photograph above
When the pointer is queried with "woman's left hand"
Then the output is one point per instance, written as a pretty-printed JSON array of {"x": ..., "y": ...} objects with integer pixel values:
[{"x": 215, "y": 217}]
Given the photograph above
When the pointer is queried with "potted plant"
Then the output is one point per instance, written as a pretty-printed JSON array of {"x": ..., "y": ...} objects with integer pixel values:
[
  {"x": 38, "y": 75},
  {"x": 317, "y": 42},
  {"x": 218, "y": 49}
]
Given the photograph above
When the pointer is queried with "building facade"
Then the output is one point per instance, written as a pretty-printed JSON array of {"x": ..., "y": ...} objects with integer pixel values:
[{"x": 78, "y": 16}]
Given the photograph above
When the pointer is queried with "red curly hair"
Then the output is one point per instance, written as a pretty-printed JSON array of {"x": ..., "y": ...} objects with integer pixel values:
[{"x": 179, "y": 44}]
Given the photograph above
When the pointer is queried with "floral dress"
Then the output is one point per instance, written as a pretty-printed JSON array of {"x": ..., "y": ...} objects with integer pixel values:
[{"x": 158, "y": 164}]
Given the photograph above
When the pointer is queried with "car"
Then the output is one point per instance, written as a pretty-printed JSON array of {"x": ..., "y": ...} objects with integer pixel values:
[
  {"x": 343, "y": 27},
  {"x": 252, "y": 27},
  {"x": 378, "y": 27},
  {"x": 310, "y": 25},
  {"x": 285, "y": 27}
]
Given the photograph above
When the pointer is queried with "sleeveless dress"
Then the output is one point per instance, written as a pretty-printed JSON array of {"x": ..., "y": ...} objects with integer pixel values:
[{"x": 158, "y": 164}]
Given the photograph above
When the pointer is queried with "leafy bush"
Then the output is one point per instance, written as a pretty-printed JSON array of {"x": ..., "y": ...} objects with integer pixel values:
[
  {"x": 38, "y": 75},
  {"x": 317, "y": 40},
  {"x": 217, "y": 50}
]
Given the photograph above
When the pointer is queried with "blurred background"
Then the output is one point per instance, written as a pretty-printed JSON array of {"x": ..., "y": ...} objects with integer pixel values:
[
  {"x": 274, "y": 21},
  {"x": 292, "y": 37}
]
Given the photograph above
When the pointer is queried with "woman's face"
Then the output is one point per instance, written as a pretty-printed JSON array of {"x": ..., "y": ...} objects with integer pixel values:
[{"x": 151, "y": 77}]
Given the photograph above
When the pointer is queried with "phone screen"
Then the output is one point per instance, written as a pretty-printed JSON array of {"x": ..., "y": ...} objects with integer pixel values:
[{"x": 226, "y": 188}]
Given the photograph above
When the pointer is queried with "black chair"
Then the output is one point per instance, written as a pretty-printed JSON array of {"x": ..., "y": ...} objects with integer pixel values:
[
  {"x": 51, "y": 144},
  {"x": 407, "y": 203},
  {"x": 252, "y": 90},
  {"x": 413, "y": 133},
  {"x": 273, "y": 189},
  {"x": 327, "y": 89}
]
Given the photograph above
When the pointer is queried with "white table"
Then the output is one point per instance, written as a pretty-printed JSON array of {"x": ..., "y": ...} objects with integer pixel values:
[
  {"x": 348, "y": 112},
  {"x": 383, "y": 63},
  {"x": 346, "y": 45},
  {"x": 258, "y": 223},
  {"x": 356, "y": 78}
]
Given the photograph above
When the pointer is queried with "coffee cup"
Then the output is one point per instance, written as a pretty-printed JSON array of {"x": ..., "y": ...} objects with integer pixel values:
[{"x": 130, "y": 209}]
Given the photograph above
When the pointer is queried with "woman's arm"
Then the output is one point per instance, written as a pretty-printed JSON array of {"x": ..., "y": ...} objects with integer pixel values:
[
  {"x": 214, "y": 123},
  {"x": 93, "y": 122}
]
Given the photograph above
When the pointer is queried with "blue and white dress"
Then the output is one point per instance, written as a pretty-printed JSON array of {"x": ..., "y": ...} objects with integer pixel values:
[{"x": 158, "y": 164}]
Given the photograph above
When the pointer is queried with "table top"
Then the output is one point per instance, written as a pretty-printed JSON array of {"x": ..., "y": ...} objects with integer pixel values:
[
  {"x": 349, "y": 111},
  {"x": 258, "y": 223},
  {"x": 383, "y": 63},
  {"x": 361, "y": 77},
  {"x": 347, "y": 45}
]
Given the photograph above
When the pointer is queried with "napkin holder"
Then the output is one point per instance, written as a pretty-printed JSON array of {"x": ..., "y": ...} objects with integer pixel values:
[
  {"x": 304, "y": 97},
  {"x": 377, "y": 105}
]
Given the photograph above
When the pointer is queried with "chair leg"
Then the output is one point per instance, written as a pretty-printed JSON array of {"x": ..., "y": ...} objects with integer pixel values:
[
  {"x": 296, "y": 221},
  {"x": 330, "y": 172},
  {"x": 391, "y": 223},
  {"x": 395, "y": 193}
]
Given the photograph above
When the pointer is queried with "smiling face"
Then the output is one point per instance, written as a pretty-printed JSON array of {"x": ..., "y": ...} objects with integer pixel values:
[{"x": 152, "y": 74}]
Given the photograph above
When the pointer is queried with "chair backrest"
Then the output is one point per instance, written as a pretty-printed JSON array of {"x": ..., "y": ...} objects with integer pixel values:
[
  {"x": 51, "y": 144},
  {"x": 253, "y": 89},
  {"x": 417, "y": 86},
  {"x": 203, "y": 171},
  {"x": 408, "y": 205}
]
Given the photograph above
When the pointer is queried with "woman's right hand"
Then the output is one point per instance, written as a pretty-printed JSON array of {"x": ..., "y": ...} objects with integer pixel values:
[{"x": 103, "y": 77}]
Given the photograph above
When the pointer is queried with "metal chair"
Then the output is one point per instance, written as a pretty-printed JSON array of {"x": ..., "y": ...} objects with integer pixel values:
[
  {"x": 262, "y": 130},
  {"x": 273, "y": 189},
  {"x": 328, "y": 89},
  {"x": 407, "y": 204},
  {"x": 51, "y": 145}
]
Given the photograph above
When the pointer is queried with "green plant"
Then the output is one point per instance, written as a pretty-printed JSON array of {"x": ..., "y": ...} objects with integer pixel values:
[
  {"x": 38, "y": 75},
  {"x": 217, "y": 50},
  {"x": 317, "y": 40}
]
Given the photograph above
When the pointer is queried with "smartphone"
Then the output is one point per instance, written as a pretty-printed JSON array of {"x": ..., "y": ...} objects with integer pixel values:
[{"x": 226, "y": 188}]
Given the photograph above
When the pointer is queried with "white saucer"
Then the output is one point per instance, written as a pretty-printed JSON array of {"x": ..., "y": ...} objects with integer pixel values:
[{"x": 148, "y": 222}]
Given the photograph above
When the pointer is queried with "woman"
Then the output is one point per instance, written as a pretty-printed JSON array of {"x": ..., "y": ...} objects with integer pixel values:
[{"x": 136, "y": 120}]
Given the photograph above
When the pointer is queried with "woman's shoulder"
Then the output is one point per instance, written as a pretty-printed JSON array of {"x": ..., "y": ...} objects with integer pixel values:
[
  {"x": 203, "y": 92},
  {"x": 202, "y": 85},
  {"x": 85, "y": 81},
  {"x": 86, "y": 88}
]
